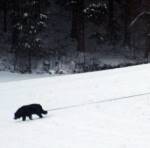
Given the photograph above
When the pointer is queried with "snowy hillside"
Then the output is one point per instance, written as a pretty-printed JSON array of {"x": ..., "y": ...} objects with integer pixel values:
[{"x": 95, "y": 110}]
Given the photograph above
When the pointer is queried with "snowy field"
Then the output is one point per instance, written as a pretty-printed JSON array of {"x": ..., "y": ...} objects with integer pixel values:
[
  {"x": 8, "y": 77},
  {"x": 101, "y": 115}
]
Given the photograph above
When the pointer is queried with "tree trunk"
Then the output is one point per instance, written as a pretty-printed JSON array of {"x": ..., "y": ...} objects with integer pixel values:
[
  {"x": 81, "y": 26},
  {"x": 77, "y": 30},
  {"x": 111, "y": 21},
  {"x": 74, "y": 20},
  {"x": 127, "y": 20},
  {"x": 5, "y": 15}
]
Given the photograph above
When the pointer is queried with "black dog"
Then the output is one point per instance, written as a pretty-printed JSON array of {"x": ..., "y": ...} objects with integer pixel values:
[{"x": 28, "y": 111}]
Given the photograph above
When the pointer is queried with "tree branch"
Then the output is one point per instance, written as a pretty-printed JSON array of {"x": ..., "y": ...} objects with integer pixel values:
[{"x": 138, "y": 17}]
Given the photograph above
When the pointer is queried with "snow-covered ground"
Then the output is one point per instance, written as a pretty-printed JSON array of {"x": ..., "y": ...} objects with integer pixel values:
[
  {"x": 107, "y": 123},
  {"x": 8, "y": 77}
]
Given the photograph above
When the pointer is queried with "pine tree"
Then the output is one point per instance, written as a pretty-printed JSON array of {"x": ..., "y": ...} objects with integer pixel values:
[{"x": 29, "y": 18}]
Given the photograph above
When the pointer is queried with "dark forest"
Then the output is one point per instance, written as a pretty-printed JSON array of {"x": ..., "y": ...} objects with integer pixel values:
[{"x": 72, "y": 36}]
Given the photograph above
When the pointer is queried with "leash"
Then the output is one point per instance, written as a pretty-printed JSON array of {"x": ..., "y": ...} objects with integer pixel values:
[{"x": 98, "y": 102}]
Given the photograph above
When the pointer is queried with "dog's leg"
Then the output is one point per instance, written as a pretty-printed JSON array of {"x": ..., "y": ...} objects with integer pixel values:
[
  {"x": 24, "y": 118},
  {"x": 30, "y": 117}
]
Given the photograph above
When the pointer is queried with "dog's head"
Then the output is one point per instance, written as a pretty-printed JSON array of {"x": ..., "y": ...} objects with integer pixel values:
[{"x": 17, "y": 115}]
